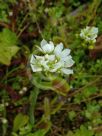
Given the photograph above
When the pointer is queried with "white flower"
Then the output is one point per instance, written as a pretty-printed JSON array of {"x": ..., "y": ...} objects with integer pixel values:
[
  {"x": 60, "y": 53},
  {"x": 54, "y": 60},
  {"x": 58, "y": 50},
  {"x": 40, "y": 63},
  {"x": 34, "y": 62},
  {"x": 47, "y": 47},
  {"x": 89, "y": 34},
  {"x": 50, "y": 57},
  {"x": 57, "y": 66},
  {"x": 65, "y": 59}
]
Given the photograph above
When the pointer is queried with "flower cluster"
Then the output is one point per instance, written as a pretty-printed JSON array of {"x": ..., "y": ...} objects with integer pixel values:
[
  {"x": 55, "y": 59},
  {"x": 89, "y": 34}
]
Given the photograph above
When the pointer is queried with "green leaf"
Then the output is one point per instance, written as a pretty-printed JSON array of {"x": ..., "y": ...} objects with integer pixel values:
[
  {"x": 12, "y": 1},
  {"x": 33, "y": 99},
  {"x": 70, "y": 133},
  {"x": 83, "y": 131},
  {"x": 57, "y": 108},
  {"x": 41, "y": 132},
  {"x": 8, "y": 48},
  {"x": 57, "y": 84},
  {"x": 72, "y": 115},
  {"x": 20, "y": 121},
  {"x": 41, "y": 84},
  {"x": 89, "y": 91},
  {"x": 46, "y": 109},
  {"x": 38, "y": 133}
]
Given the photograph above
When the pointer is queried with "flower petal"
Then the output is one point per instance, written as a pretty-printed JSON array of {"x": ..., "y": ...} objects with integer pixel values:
[
  {"x": 89, "y": 34},
  {"x": 32, "y": 59},
  {"x": 65, "y": 53},
  {"x": 58, "y": 49},
  {"x": 50, "y": 57},
  {"x": 67, "y": 71},
  {"x": 66, "y": 58},
  {"x": 39, "y": 57},
  {"x": 94, "y": 30},
  {"x": 36, "y": 68},
  {"x": 45, "y": 66},
  {"x": 43, "y": 42},
  {"x": 33, "y": 64},
  {"x": 69, "y": 62},
  {"x": 48, "y": 48},
  {"x": 59, "y": 65}
]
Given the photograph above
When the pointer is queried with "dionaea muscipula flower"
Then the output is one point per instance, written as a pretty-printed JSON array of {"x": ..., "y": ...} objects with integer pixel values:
[
  {"x": 54, "y": 59},
  {"x": 89, "y": 34}
]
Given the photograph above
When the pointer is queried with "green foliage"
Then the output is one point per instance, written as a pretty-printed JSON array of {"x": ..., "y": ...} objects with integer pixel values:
[
  {"x": 92, "y": 113},
  {"x": 75, "y": 3},
  {"x": 2, "y": 107},
  {"x": 33, "y": 99},
  {"x": 54, "y": 83},
  {"x": 99, "y": 25},
  {"x": 59, "y": 105},
  {"x": 56, "y": 12},
  {"x": 23, "y": 131},
  {"x": 38, "y": 133},
  {"x": 20, "y": 121},
  {"x": 71, "y": 115},
  {"x": 8, "y": 48},
  {"x": 12, "y": 1},
  {"x": 86, "y": 93},
  {"x": 83, "y": 131},
  {"x": 3, "y": 13},
  {"x": 47, "y": 109}
]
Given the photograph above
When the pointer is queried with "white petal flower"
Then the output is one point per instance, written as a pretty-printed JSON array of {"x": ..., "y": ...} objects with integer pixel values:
[
  {"x": 50, "y": 57},
  {"x": 58, "y": 50},
  {"x": 53, "y": 60},
  {"x": 57, "y": 66},
  {"x": 60, "y": 53},
  {"x": 68, "y": 62},
  {"x": 64, "y": 59},
  {"x": 47, "y": 47},
  {"x": 94, "y": 31},
  {"x": 34, "y": 64},
  {"x": 89, "y": 34},
  {"x": 65, "y": 53},
  {"x": 45, "y": 66},
  {"x": 43, "y": 42}
]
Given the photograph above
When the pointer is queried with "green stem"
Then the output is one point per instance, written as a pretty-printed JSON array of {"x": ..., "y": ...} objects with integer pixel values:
[
  {"x": 4, "y": 126},
  {"x": 33, "y": 99}
]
